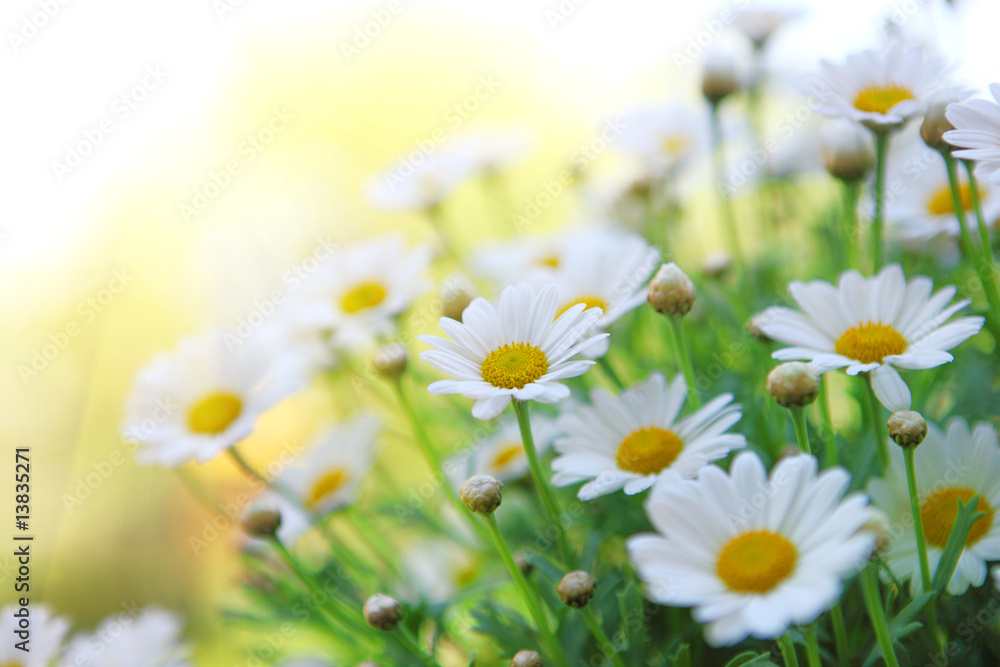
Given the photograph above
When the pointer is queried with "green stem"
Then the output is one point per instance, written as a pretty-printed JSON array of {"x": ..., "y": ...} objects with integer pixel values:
[
  {"x": 527, "y": 594},
  {"x": 839, "y": 634},
  {"x": 987, "y": 269},
  {"x": 876, "y": 612},
  {"x": 829, "y": 436},
  {"x": 404, "y": 637},
  {"x": 801, "y": 429},
  {"x": 725, "y": 204},
  {"x": 609, "y": 370},
  {"x": 918, "y": 521},
  {"x": 964, "y": 238},
  {"x": 542, "y": 482},
  {"x": 788, "y": 651},
  {"x": 679, "y": 339},
  {"x": 601, "y": 637},
  {"x": 881, "y": 153},
  {"x": 375, "y": 541},
  {"x": 879, "y": 427},
  {"x": 851, "y": 191},
  {"x": 812, "y": 646},
  {"x": 433, "y": 460}
]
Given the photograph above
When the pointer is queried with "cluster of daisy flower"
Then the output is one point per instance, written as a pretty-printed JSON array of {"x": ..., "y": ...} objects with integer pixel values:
[{"x": 672, "y": 455}]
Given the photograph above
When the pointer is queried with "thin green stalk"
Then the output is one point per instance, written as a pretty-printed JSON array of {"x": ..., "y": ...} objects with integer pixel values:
[
  {"x": 433, "y": 460},
  {"x": 541, "y": 481},
  {"x": 609, "y": 370},
  {"x": 801, "y": 429},
  {"x": 851, "y": 191},
  {"x": 404, "y": 637},
  {"x": 987, "y": 270},
  {"x": 375, "y": 541},
  {"x": 918, "y": 521},
  {"x": 527, "y": 594},
  {"x": 839, "y": 634},
  {"x": 879, "y": 427},
  {"x": 964, "y": 238},
  {"x": 601, "y": 637},
  {"x": 788, "y": 651},
  {"x": 829, "y": 436},
  {"x": 725, "y": 204},
  {"x": 881, "y": 153},
  {"x": 678, "y": 337},
  {"x": 876, "y": 612},
  {"x": 812, "y": 646}
]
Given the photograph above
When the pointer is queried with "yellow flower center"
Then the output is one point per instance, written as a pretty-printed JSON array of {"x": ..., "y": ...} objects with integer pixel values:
[
  {"x": 514, "y": 365},
  {"x": 326, "y": 485},
  {"x": 361, "y": 296},
  {"x": 590, "y": 301},
  {"x": 507, "y": 454},
  {"x": 552, "y": 261},
  {"x": 881, "y": 98},
  {"x": 11, "y": 664},
  {"x": 870, "y": 342},
  {"x": 466, "y": 575},
  {"x": 648, "y": 450},
  {"x": 940, "y": 510},
  {"x": 756, "y": 562},
  {"x": 942, "y": 204},
  {"x": 214, "y": 413},
  {"x": 673, "y": 146}
]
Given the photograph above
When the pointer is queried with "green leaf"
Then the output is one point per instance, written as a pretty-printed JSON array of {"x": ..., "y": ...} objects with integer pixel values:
[
  {"x": 967, "y": 516},
  {"x": 472, "y": 659},
  {"x": 545, "y": 567},
  {"x": 682, "y": 656},
  {"x": 750, "y": 658}
]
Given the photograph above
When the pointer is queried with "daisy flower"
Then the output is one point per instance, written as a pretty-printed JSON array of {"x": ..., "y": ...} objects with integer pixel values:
[
  {"x": 663, "y": 137},
  {"x": 922, "y": 205},
  {"x": 204, "y": 397},
  {"x": 491, "y": 151},
  {"x": 753, "y": 555},
  {"x": 879, "y": 88},
  {"x": 759, "y": 23},
  {"x": 603, "y": 269},
  {"x": 150, "y": 638},
  {"x": 439, "y": 569},
  {"x": 358, "y": 294},
  {"x": 871, "y": 325},
  {"x": 47, "y": 634},
  {"x": 519, "y": 349},
  {"x": 977, "y": 133},
  {"x": 949, "y": 467},
  {"x": 497, "y": 261},
  {"x": 502, "y": 455},
  {"x": 630, "y": 440},
  {"x": 422, "y": 180}
]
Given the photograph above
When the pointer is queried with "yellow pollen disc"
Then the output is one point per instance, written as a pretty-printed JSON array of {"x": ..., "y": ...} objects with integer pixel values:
[
  {"x": 362, "y": 296},
  {"x": 589, "y": 301},
  {"x": 940, "y": 510},
  {"x": 465, "y": 575},
  {"x": 673, "y": 146},
  {"x": 551, "y": 261},
  {"x": 756, "y": 562},
  {"x": 508, "y": 454},
  {"x": 328, "y": 484},
  {"x": 648, "y": 450},
  {"x": 879, "y": 99},
  {"x": 942, "y": 204},
  {"x": 870, "y": 342},
  {"x": 214, "y": 413},
  {"x": 11, "y": 664},
  {"x": 514, "y": 365}
]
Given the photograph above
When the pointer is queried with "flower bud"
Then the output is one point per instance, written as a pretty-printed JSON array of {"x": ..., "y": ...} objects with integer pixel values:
[
  {"x": 671, "y": 292},
  {"x": 457, "y": 292},
  {"x": 577, "y": 589},
  {"x": 482, "y": 494},
  {"x": 793, "y": 384},
  {"x": 754, "y": 328},
  {"x": 524, "y": 565},
  {"x": 718, "y": 78},
  {"x": 261, "y": 521},
  {"x": 907, "y": 428},
  {"x": 936, "y": 124},
  {"x": 390, "y": 360},
  {"x": 848, "y": 151},
  {"x": 382, "y": 612},
  {"x": 716, "y": 264},
  {"x": 526, "y": 659}
]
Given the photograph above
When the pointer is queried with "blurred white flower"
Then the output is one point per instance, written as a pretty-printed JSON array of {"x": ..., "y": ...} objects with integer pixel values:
[
  {"x": 204, "y": 396},
  {"x": 760, "y": 23},
  {"x": 45, "y": 636},
  {"x": 149, "y": 639},
  {"x": 502, "y": 454},
  {"x": 664, "y": 137},
  {"x": 977, "y": 133},
  {"x": 439, "y": 569}
]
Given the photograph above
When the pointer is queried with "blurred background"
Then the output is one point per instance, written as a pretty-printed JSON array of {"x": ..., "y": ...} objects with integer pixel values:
[{"x": 123, "y": 227}]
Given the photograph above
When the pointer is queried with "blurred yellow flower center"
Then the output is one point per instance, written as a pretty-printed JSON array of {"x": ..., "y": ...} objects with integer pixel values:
[
  {"x": 940, "y": 510},
  {"x": 673, "y": 146},
  {"x": 514, "y": 365},
  {"x": 214, "y": 413},
  {"x": 362, "y": 296},
  {"x": 879, "y": 99},
  {"x": 870, "y": 342},
  {"x": 942, "y": 204},
  {"x": 552, "y": 261},
  {"x": 590, "y": 301},
  {"x": 756, "y": 562},
  {"x": 648, "y": 450},
  {"x": 507, "y": 454},
  {"x": 466, "y": 575},
  {"x": 327, "y": 485}
]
